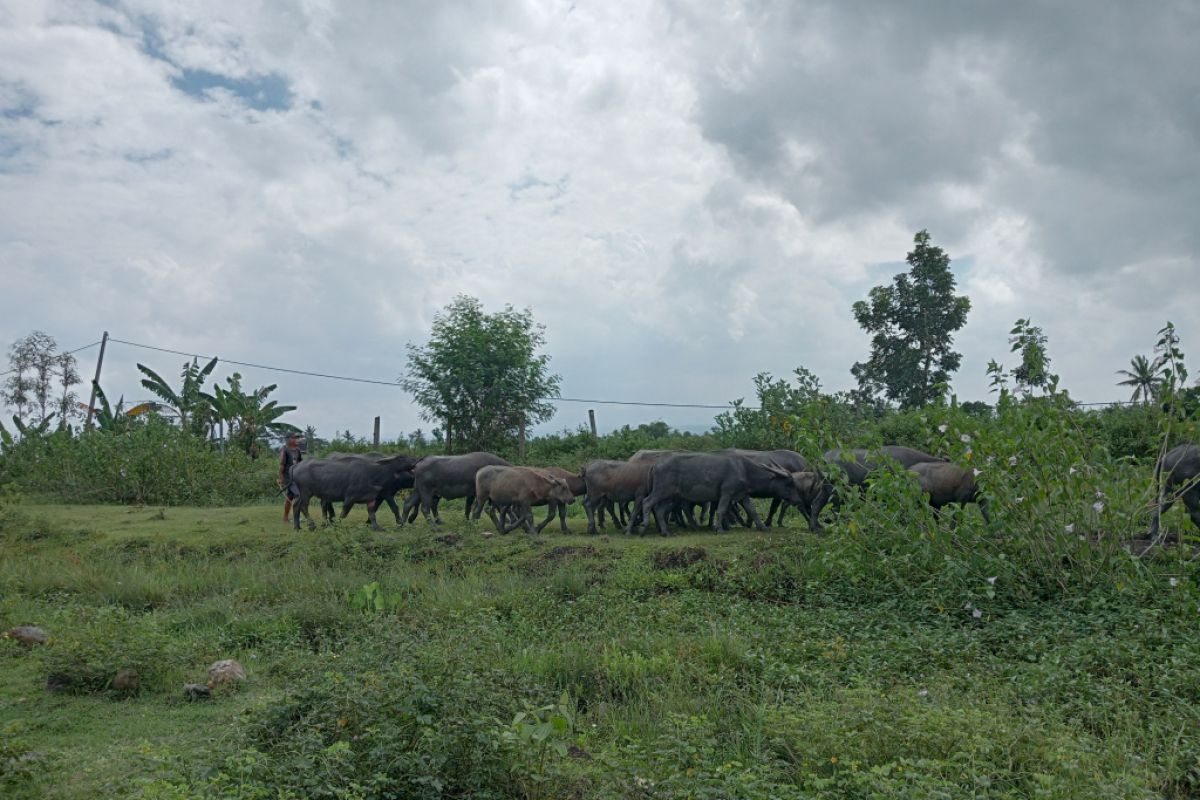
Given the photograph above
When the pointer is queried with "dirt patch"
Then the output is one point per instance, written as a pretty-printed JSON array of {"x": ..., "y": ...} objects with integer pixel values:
[
  {"x": 568, "y": 553},
  {"x": 678, "y": 558},
  {"x": 450, "y": 539}
]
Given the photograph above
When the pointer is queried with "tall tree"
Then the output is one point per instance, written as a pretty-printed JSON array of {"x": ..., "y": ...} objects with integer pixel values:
[
  {"x": 912, "y": 324},
  {"x": 481, "y": 375},
  {"x": 41, "y": 380},
  {"x": 1143, "y": 376}
]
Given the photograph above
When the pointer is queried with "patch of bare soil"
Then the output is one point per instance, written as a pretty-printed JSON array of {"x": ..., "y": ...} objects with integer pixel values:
[{"x": 678, "y": 558}]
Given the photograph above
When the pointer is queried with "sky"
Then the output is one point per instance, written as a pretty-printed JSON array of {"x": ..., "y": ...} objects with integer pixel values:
[{"x": 685, "y": 194}]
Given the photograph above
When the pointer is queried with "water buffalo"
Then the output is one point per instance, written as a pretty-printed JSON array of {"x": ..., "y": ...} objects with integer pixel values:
[
  {"x": 789, "y": 460},
  {"x": 1178, "y": 470},
  {"x": 857, "y": 464},
  {"x": 701, "y": 478},
  {"x": 614, "y": 482},
  {"x": 949, "y": 483},
  {"x": 520, "y": 489},
  {"x": 350, "y": 480},
  {"x": 447, "y": 477},
  {"x": 388, "y": 495}
]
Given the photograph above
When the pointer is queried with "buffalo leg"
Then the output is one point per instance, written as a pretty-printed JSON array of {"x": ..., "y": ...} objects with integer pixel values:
[
  {"x": 775, "y": 507},
  {"x": 371, "y": 506},
  {"x": 549, "y": 517},
  {"x": 589, "y": 508},
  {"x": 391, "y": 501}
]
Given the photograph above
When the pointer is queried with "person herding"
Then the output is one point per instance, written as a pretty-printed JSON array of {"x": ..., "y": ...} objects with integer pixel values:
[{"x": 289, "y": 457}]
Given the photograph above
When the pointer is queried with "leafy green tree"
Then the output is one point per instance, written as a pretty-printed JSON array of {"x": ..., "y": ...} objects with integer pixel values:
[
  {"x": 190, "y": 403},
  {"x": 1143, "y": 376},
  {"x": 1034, "y": 370},
  {"x": 481, "y": 375},
  {"x": 250, "y": 416},
  {"x": 912, "y": 324}
]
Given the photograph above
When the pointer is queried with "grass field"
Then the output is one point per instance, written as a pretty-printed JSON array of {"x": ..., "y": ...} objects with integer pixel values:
[{"x": 733, "y": 665}]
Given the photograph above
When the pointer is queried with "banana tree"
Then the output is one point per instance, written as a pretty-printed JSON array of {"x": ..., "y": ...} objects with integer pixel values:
[
  {"x": 190, "y": 403},
  {"x": 250, "y": 417},
  {"x": 117, "y": 419}
]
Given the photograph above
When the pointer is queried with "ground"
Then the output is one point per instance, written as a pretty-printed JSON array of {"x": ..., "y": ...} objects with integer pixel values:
[{"x": 709, "y": 665}]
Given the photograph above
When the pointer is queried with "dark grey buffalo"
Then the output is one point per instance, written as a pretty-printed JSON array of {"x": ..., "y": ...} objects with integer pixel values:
[
  {"x": 1179, "y": 473},
  {"x": 703, "y": 478},
  {"x": 949, "y": 483},
  {"x": 789, "y": 460},
  {"x": 448, "y": 477},
  {"x": 350, "y": 480},
  {"x": 857, "y": 464},
  {"x": 404, "y": 481},
  {"x": 611, "y": 484},
  {"x": 519, "y": 489}
]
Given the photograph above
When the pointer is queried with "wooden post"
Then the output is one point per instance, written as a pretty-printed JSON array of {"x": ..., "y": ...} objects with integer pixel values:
[
  {"x": 521, "y": 439},
  {"x": 592, "y": 421},
  {"x": 96, "y": 381},
  {"x": 449, "y": 438},
  {"x": 377, "y": 431}
]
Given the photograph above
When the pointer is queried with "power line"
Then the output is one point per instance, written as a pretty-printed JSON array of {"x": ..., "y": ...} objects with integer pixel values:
[{"x": 396, "y": 385}]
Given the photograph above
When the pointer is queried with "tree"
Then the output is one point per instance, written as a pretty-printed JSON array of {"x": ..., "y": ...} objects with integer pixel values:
[
  {"x": 1034, "y": 370},
  {"x": 250, "y": 418},
  {"x": 41, "y": 381},
  {"x": 912, "y": 323},
  {"x": 1143, "y": 377},
  {"x": 117, "y": 419},
  {"x": 190, "y": 403},
  {"x": 480, "y": 375}
]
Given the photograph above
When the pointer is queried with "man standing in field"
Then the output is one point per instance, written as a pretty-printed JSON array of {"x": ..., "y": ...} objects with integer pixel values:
[{"x": 289, "y": 457}]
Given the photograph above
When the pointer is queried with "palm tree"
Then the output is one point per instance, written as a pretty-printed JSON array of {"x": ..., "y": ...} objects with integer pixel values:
[
  {"x": 192, "y": 405},
  {"x": 1143, "y": 377},
  {"x": 249, "y": 417}
]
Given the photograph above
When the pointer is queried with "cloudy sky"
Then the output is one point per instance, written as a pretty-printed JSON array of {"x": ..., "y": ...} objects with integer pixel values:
[{"x": 685, "y": 194}]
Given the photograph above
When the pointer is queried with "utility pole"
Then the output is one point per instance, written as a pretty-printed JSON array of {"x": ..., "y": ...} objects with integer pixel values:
[
  {"x": 96, "y": 381},
  {"x": 377, "y": 431},
  {"x": 592, "y": 421}
]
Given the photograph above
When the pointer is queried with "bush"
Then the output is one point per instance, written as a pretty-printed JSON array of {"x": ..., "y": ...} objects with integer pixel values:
[{"x": 153, "y": 463}]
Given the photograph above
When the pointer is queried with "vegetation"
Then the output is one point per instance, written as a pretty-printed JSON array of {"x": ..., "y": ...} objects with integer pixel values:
[
  {"x": 481, "y": 376},
  {"x": 40, "y": 384},
  {"x": 912, "y": 325}
]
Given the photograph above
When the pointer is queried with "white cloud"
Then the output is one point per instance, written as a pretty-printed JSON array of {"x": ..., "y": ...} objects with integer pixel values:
[{"x": 684, "y": 195}]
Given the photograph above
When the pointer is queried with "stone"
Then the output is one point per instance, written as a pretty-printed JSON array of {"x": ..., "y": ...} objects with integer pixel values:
[
  {"x": 28, "y": 635},
  {"x": 226, "y": 672},
  {"x": 127, "y": 681},
  {"x": 197, "y": 691}
]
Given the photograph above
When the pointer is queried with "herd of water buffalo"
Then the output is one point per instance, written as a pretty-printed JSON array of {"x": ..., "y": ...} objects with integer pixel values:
[{"x": 663, "y": 485}]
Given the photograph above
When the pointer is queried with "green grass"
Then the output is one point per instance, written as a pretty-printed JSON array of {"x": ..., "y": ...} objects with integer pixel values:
[{"x": 778, "y": 665}]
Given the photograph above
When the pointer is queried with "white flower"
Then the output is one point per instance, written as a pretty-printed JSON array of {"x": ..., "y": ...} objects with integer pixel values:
[
  {"x": 967, "y": 606},
  {"x": 992, "y": 580},
  {"x": 991, "y": 459},
  {"x": 977, "y": 613},
  {"x": 1020, "y": 499},
  {"x": 923, "y": 693},
  {"x": 1012, "y": 461},
  {"x": 942, "y": 428},
  {"x": 1098, "y": 506},
  {"x": 966, "y": 437},
  {"x": 1070, "y": 528},
  {"x": 1071, "y": 471},
  {"x": 1174, "y": 581},
  {"x": 977, "y": 472}
]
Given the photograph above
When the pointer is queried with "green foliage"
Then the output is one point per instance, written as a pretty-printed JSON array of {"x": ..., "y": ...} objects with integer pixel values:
[
  {"x": 1033, "y": 371},
  {"x": 105, "y": 641},
  {"x": 154, "y": 462},
  {"x": 912, "y": 325},
  {"x": 372, "y": 599},
  {"x": 480, "y": 375},
  {"x": 250, "y": 418},
  {"x": 190, "y": 403},
  {"x": 19, "y": 764}
]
